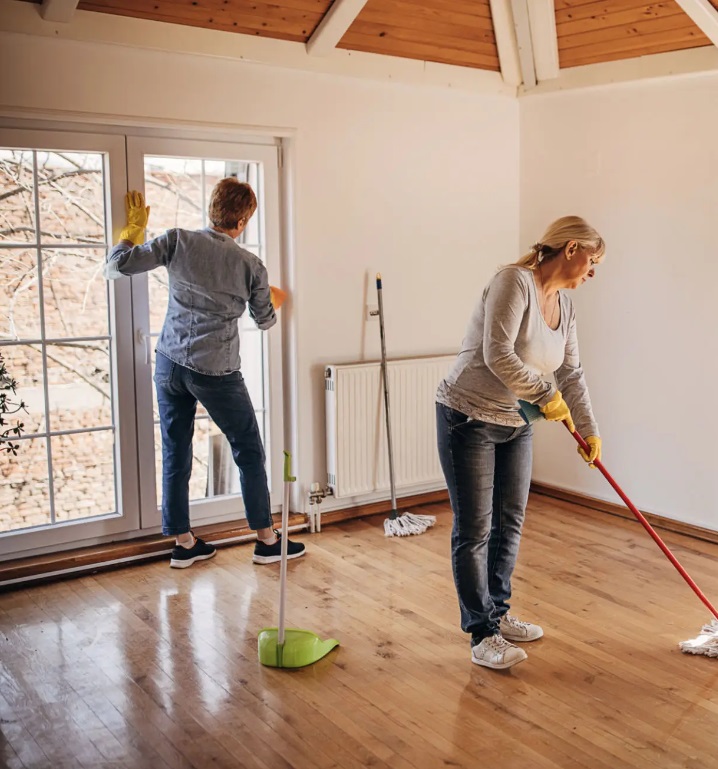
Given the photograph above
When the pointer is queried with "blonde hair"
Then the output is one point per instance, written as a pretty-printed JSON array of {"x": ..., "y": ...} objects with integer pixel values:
[
  {"x": 230, "y": 201},
  {"x": 557, "y": 235}
]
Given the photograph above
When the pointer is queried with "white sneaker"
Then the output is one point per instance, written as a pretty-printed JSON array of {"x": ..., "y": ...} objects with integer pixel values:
[
  {"x": 496, "y": 652},
  {"x": 515, "y": 630}
]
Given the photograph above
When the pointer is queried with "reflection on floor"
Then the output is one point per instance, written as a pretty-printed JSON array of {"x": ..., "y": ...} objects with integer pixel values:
[{"x": 152, "y": 667}]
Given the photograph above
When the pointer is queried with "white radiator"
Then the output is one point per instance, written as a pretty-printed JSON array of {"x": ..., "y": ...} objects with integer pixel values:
[{"x": 357, "y": 455}]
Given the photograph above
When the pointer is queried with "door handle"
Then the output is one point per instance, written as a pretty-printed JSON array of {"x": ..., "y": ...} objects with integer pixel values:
[{"x": 144, "y": 338}]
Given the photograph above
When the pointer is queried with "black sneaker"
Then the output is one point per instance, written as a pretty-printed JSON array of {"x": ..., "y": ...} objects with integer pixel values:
[
  {"x": 273, "y": 553},
  {"x": 182, "y": 557}
]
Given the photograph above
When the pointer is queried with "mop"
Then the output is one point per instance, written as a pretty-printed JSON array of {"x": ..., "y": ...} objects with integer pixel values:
[
  {"x": 281, "y": 647},
  {"x": 706, "y": 643},
  {"x": 397, "y": 524}
]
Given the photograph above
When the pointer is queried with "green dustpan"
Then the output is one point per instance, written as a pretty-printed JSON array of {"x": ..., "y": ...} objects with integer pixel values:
[
  {"x": 289, "y": 648},
  {"x": 300, "y": 648}
]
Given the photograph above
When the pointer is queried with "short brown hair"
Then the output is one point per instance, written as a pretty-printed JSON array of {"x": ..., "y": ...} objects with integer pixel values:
[{"x": 231, "y": 200}]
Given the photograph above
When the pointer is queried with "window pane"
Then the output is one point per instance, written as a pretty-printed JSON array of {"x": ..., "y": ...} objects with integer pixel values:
[
  {"x": 248, "y": 172},
  {"x": 222, "y": 472},
  {"x": 84, "y": 472},
  {"x": 24, "y": 487},
  {"x": 251, "y": 349},
  {"x": 19, "y": 294},
  {"x": 78, "y": 376},
  {"x": 214, "y": 170},
  {"x": 75, "y": 293},
  {"x": 158, "y": 288},
  {"x": 200, "y": 459},
  {"x": 246, "y": 322},
  {"x": 173, "y": 187},
  {"x": 24, "y": 364},
  {"x": 17, "y": 213},
  {"x": 178, "y": 191},
  {"x": 70, "y": 187}
]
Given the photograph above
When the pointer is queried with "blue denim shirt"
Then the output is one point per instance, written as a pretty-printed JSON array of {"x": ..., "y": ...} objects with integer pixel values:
[{"x": 211, "y": 281}]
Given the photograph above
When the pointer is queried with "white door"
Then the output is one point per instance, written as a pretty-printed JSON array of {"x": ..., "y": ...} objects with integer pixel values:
[
  {"x": 177, "y": 177},
  {"x": 66, "y": 338}
]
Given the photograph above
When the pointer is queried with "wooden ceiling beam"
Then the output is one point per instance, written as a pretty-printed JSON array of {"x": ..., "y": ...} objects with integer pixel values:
[
  {"x": 542, "y": 20},
  {"x": 522, "y": 27},
  {"x": 704, "y": 15},
  {"x": 58, "y": 10},
  {"x": 506, "y": 43},
  {"x": 333, "y": 26}
]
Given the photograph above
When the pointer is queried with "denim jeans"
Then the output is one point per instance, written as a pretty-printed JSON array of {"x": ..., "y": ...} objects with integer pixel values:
[
  {"x": 488, "y": 473},
  {"x": 228, "y": 403}
]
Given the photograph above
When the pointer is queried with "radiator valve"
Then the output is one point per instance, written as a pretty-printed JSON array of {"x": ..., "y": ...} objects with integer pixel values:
[{"x": 317, "y": 493}]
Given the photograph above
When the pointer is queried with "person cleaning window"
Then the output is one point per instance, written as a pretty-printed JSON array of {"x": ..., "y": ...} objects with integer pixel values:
[
  {"x": 212, "y": 281},
  {"x": 520, "y": 344}
]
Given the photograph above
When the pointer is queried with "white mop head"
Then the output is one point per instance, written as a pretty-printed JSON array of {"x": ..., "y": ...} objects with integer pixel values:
[
  {"x": 706, "y": 643},
  {"x": 408, "y": 523}
]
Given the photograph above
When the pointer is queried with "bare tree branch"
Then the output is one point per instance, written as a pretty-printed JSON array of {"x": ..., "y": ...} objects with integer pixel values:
[
  {"x": 173, "y": 188},
  {"x": 45, "y": 234},
  {"x": 69, "y": 367},
  {"x": 74, "y": 202},
  {"x": 66, "y": 174}
]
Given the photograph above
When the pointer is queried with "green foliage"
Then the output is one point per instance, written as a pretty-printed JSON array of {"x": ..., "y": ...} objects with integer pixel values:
[{"x": 8, "y": 407}]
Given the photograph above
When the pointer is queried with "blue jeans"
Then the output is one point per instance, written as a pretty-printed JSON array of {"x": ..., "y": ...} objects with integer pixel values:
[
  {"x": 230, "y": 407},
  {"x": 488, "y": 473}
]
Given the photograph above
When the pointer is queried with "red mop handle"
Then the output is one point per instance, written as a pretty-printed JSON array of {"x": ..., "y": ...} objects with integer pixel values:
[{"x": 647, "y": 526}]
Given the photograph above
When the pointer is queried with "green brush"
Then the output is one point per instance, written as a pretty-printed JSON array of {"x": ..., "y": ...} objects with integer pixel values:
[{"x": 530, "y": 413}]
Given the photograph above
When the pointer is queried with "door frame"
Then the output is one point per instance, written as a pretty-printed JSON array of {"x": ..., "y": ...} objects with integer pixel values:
[
  {"x": 127, "y": 517},
  {"x": 26, "y": 122},
  {"x": 221, "y": 508}
]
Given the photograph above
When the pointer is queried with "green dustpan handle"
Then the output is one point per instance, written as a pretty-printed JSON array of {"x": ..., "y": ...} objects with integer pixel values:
[{"x": 288, "y": 477}]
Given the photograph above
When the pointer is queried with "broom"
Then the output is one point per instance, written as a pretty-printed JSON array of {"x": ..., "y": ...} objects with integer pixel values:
[
  {"x": 397, "y": 524},
  {"x": 707, "y": 642}
]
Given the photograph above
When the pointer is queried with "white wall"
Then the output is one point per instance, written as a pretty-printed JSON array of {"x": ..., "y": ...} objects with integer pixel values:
[
  {"x": 641, "y": 164},
  {"x": 422, "y": 184},
  {"x": 417, "y": 182}
]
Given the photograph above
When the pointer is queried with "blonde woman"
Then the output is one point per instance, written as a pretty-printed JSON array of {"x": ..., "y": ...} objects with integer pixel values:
[
  {"x": 212, "y": 281},
  {"x": 520, "y": 344}
]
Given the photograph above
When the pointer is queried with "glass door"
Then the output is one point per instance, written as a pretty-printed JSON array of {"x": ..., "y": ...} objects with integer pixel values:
[
  {"x": 177, "y": 177},
  {"x": 66, "y": 338}
]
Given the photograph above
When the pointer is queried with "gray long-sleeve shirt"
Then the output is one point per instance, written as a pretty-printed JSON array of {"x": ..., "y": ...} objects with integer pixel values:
[
  {"x": 212, "y": 280},
  {"x": 510, "y": 353}
]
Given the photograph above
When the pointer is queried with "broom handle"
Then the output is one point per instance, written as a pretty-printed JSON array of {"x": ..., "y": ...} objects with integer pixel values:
[
  {"x": 288, "y": 478},
  {"x": 385, "y": 381},
  {"x": 647, "y": 526}
]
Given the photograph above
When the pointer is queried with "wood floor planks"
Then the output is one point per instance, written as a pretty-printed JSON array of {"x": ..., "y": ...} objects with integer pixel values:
[{"x": 152, "y": 667}]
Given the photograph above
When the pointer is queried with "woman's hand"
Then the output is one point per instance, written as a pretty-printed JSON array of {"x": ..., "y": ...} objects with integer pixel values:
[
  {"x": 557, "y": 410},
  {"x": 594, "y": 444},
  {"x": 137, "y": 217}
]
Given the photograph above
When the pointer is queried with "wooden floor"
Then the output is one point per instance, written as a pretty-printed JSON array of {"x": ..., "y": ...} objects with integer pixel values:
[{"x": 157, "y": 668}]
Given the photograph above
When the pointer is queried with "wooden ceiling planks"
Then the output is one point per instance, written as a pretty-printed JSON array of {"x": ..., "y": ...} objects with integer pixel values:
[
  {"x": 590, "y": 32},
  {"x": 458, "y": 32},
  {"x": 293, "y": 20}
]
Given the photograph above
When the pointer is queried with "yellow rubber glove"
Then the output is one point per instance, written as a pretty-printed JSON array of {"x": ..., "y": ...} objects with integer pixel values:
[
  {"x": 594, "y": 443},
  {"x": 277, "y": 297},
  {"x": 137, "y": 217},
  {"x": 556, "y": 410}
]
